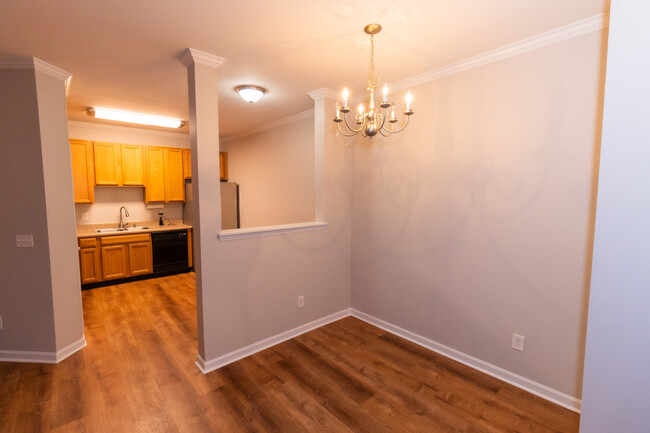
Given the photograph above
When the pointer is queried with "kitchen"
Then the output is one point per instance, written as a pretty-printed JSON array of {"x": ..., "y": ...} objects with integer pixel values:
[{"x": 132, "y": 190}]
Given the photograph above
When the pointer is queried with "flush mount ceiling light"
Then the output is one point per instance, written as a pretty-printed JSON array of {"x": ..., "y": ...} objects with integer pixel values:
[
  {"x": 126, "y": 116},
  {"x": 250, "y": 93},
  {"x": 370, "y": 122}
]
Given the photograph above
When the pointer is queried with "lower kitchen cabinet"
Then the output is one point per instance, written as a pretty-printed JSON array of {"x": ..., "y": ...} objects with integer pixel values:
[
  {"x": 114, "y": 262},
  {"x": 126, "y": 256},
  {"x": 90, "y": 263},
  {"x": 140, "y": 262}
]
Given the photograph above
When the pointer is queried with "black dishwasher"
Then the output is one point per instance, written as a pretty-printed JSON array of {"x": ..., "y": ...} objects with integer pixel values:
[{"x": 169, "y": 252}]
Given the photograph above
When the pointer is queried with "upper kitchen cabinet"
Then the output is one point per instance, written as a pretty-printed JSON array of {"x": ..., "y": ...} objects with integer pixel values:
[
  {"x": 174, "y": 178},
  {"x": 119, "y": 164},
  {"x": 83, "y": 171},
  {"x": 187, "y": 164},
  {"x": 155, "y": 174},
  {"x": 164, "y": 174},
  {"x": 132, "y": 165}
]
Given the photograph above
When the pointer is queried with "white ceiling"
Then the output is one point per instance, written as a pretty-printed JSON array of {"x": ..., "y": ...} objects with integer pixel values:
[{"x": 124, "y": 53}]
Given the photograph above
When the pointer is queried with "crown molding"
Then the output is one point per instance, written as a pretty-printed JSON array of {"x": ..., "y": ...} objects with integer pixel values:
[
  {"x": 560, "y": 34},
  {"x": 192, "y": 55},
  {"x": 323, "y": 93},
  {"x": 102, "y": 126},
  {"x": 271, "y": 125},
  {"x": 33, "y": 63}
]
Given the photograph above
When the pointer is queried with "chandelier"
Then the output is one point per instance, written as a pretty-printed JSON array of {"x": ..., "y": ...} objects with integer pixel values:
[{"x": 371, "y": 122}]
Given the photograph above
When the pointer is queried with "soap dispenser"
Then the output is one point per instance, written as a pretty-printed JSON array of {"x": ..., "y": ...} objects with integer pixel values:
[{"x": 160, "y": 220}]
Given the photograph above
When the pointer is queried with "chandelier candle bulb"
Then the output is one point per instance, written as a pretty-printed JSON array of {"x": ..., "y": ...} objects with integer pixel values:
[
  {"x": 409, "y": 98},
  {"x": 345, "y": 97},
  {"x": 392, "y": 116},
  {"x": 385, "y": 100},
  {"x": 338, "y": 112}
]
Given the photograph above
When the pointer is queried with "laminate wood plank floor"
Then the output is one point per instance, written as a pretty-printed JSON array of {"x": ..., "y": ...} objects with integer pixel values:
[{"x": 137, "y": 374}]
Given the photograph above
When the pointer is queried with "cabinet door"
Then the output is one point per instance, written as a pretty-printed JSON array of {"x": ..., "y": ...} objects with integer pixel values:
[
  {"x": 83, "y": 173},
  {"x": 90, "y": 265},
  {"x": 108, "y": 170},
  {"x": 223, "y": 166},
  {"x": 187, "y": 164},
  {"x": 155, "y": 174},
  {"x": 115, "y": 261},
  {"x": 140, "y": 260},
  {"x": 174, "y": 179},
  {"x": 132, "y": 165}
]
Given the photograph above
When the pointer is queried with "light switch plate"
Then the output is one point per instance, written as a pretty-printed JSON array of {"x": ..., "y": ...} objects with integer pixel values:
[{"x": 24, "y": 241}]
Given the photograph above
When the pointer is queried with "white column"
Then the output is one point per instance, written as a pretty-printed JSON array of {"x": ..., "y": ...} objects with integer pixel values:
[
  {"x": 206, "y": 191},
  {"x": 40, "y": 294},
  {"x": 616, "y": 387}
]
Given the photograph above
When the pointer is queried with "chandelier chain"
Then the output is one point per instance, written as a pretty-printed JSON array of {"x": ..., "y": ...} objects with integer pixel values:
[{"x": 373, "y": 78}]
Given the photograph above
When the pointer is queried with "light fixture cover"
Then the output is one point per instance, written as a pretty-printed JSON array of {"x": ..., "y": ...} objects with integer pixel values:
[
  {"x": 130, "y": 117},
  {"x": 250, "y": 93}
]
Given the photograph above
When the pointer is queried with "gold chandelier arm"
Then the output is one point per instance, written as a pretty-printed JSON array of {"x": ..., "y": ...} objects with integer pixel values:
[
  {"x": 338, "y": 126},
  {"x": 392, "y": 131},
  {"x": 356, "y": 131}
]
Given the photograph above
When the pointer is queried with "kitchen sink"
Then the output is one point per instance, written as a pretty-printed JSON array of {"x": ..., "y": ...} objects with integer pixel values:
[
  {"x": 136, "y": 228},
  {"x": 118, "y": 230}
]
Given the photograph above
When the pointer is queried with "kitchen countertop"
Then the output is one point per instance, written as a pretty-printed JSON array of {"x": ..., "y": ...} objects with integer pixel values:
[{"x": 88, "y": 230}]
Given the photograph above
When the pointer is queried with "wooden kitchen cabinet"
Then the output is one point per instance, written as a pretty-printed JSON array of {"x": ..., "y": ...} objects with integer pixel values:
[
  {"x": 174, "y": 178},
  {"x": 118, "y": 164},
  {"x": 140, "y": 258},
  {"x": 108, "y": 164},
  {"x": 83, "y": 171},
  {"x": 223, "y": 166},
  {"x": 187, "y": 164},
  {"x": 125, "y": 256},
  {"x": 114, "y": 261},
  {"x": 132, "y": 164},
  {"x": 164, "y": 174},
  {"x": 155, "y": 174},
  {"x": 90, "y": 264}
]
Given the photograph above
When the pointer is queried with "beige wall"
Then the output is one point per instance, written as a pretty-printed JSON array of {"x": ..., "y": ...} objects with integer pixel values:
[
  {"x": 477, "y": 221},
  {"x": 275, "y": 172},
  {"x": 617, "y": 382},
  {"x": 40, "y": 295}
]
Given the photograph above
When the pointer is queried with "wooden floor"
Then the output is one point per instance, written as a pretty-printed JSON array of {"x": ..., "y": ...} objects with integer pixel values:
[{"x": 137, "y": 374}]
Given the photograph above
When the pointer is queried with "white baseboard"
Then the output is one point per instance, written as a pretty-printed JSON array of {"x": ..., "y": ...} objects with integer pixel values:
[
  {"x": 70, "y": 349},
  {"x": 236, "y": 355},
  {"x": 42, "y": 357},
  {"x": 533, "y": 387}
]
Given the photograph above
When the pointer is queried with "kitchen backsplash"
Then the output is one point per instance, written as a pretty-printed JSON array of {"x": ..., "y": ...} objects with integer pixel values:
[{"x": 108, "y": 201}]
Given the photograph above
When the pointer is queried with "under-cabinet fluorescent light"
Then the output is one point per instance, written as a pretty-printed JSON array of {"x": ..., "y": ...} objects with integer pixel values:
[{"x": 126, "y": 116}]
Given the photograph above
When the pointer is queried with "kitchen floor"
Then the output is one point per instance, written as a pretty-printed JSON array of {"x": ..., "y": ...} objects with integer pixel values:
[{"x": 137, "y": 374}]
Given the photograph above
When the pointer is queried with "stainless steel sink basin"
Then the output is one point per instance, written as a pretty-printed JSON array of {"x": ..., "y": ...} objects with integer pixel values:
[
  {"x": 118, "y": 230},
  {"x": 135, "y": 229}
]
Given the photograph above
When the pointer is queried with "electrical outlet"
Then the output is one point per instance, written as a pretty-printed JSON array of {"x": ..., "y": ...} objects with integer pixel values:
[
  {"x": 84, "y": 216},
  {"x": 0, "y": 323},
  {"x": 24, "y": 241},
  {"x": 301, "y": 301},
  {"x": 518, "y": 342}
]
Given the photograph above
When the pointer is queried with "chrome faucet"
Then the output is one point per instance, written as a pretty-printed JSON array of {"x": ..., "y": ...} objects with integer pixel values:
[{"x": 126, "y": 212}]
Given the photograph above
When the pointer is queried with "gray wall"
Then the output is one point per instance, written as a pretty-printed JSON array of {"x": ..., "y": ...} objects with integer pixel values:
[
  {"x": 477, "y": 222},
  {"x": 40, "y": 295},
  {"x": 616, "y": 389}
]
